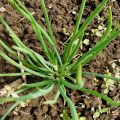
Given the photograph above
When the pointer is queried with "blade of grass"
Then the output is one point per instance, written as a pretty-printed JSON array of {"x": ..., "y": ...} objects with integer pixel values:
[
  {"x": 7, "y": 48},
  {"x": 15, "y": 38},
  {"x": 39, "y": 57},
  {"x": 83, "y": 27},
  {"x": 21, "y": 66},
  {"x": 38, "y": 84},
  {"x": 47, "y": 20},
  {"x": 20, "y": 44},
  {"x": 112, "y": 36},
  {"x": 70, "y": 103},
  {"x": 101, "y": 76},
  {"x": 23, "y": 50},
  {"x": 103, "y": 45},
  {"x": 103, "y": 39},
  {"x": 33, "y": 85},
  {"x": 44, "y": 9},
  {"x": 99, "y": 46},
  {"x": 105, "y": 35},
  {"x": 71, "y": 85},
  {"x": 29, "y": 96},
  {"x": 104, "y": 97},
  {"x": 79, "y": 76},
  {"x": 9, "y": 110},
  {"x": 33, "y": 67},
  {"x": 32, "y": 20},
  {"x": 43, "y": 32},
  {"x": 75, "y": 50},
  {"x": 22, "y": 90},
  {"x": 29, "y": 16},
  {"x": 47, "y": 51},
  {"x": 14, "y": 74},
  {"x": 71, "y": 78},
  {"x": 92, "y": 92},
  {"x": 10, "y": 50},
  {"x": 79, "y": 17}
]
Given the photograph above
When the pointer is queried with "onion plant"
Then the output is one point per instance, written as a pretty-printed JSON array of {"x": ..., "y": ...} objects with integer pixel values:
[{"x": 52, "y": 68}]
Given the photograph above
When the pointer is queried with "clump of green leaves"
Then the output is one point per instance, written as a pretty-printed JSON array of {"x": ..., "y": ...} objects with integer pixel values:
[
  {"x": 65, "y": 116},
  {"x": 108, "y": 85},
  {"x": 100, "y": 111},
  {"x": 53, "y": 68}
]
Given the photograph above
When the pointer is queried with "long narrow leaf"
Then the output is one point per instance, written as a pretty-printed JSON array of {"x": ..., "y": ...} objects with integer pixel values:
[
  {"x": 101, "y": 76},
  {"x": 21, "y": 66},
  {"x": 13, "y": 74},
  {"x": 48, "y": 23},
  {"x": 33, "y": 67},
  {"x": 84, "y": 26},
  {"x": 29, "y": 96},
  {"x": 15, "y": 38},
  {"x": 79, "y": 17},
  {"x": 38, "y": 84},
  {"x": 79, "y": 76},
  {"x": 47, "y": 20},
  {"x": 6, "y": 47},
  {"x": 75, "y": 50},
  {"x": 9, "y": 110},
  {"x": 35, "y": 27},
  {"x": 92, "y": 92},
  {"x": 32, "y": 56},
  {"x": 102, "y": 41},
  {"x": 33, "y": 85},
  {"x": 99, "y": 46},
  {"x": 70, "y": 103},
  {"x": 112, "y": 36},
  {"x": 36, "y": 94},
  {"x": 20, "y": 44},
  {"x": 32, "y": 20}
]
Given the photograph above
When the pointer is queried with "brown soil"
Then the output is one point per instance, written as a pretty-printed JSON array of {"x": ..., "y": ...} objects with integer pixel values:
[{"x": 62, "y": 16}]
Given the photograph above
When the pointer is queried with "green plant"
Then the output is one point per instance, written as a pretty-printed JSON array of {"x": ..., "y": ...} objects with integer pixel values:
[
  {"x": 100, "y": 111},
  {"x": 65, "y": 116},
  {"x": 53, "y": 68}
]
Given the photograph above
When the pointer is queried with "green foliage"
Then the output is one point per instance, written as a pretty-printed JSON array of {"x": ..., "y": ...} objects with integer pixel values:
[
  {"x": 65, "y": 115},
  {"x": 53, "y": 68},
  {"x": 99, "y": 112}
]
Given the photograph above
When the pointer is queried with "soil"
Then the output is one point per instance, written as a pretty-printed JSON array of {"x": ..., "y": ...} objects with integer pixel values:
[{"x": 62, "y": 15}]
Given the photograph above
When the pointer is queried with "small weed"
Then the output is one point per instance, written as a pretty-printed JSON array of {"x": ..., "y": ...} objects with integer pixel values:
[
  {"x": 100, "y": 111},
  {"x": 52, "y": 68}
]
